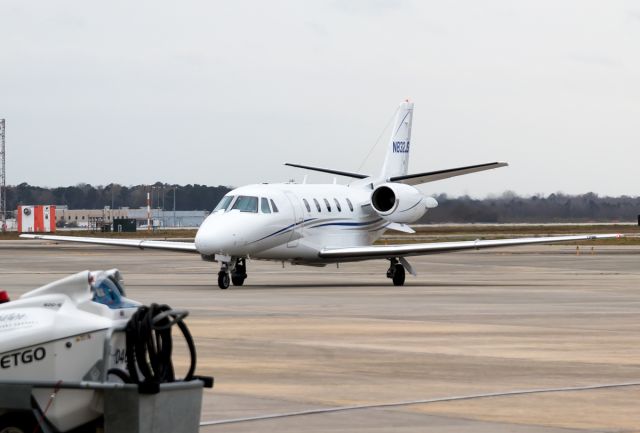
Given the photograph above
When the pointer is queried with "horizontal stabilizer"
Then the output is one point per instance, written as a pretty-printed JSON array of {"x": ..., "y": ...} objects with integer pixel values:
[
  {"x": 327, "y": 170},
  {"x": 431, "y": 176}
]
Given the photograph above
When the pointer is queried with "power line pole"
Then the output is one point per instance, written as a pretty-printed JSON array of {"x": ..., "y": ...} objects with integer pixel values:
[
  {"x": 3, "y": 179},
  {"x": 149, "y": 209}
]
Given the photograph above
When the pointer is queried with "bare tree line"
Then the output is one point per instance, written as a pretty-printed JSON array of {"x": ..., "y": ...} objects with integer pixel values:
[
  {"x": 512, "y": 208},
  {"x": 84, "y": 196},
  {"x": 506, "y": 208}
]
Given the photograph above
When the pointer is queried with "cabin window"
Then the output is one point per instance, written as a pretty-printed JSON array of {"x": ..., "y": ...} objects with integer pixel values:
[
  {"x": 273, "y": 205},
  {"x": 326, "y": 203},
  {"x": 246, "y": 204},
  {"x": 317, "y": 205},
  {"x": 264, "y": 205},
  {"x": 306, "y": 204},
  {"x": 350, "y": 205},
  {"x": 337, "y": 205},
  {"x": 224, "y": 203}
]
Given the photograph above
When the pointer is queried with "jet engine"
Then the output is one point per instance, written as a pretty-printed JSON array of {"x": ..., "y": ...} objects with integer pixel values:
[{"x": 400, "y": 203}]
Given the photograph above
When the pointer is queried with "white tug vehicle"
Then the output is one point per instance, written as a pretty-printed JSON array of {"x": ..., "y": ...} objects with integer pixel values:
[{"x": 66, "y": 339}]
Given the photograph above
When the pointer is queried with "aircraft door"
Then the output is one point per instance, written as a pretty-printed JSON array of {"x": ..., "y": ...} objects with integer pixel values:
[{"x": 298, "y": 218}]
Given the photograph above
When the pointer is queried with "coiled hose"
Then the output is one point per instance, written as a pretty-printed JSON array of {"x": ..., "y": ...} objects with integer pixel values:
[{"x": 149, "y": 347}]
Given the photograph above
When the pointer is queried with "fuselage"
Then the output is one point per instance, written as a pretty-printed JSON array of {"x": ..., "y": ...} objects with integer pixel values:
[{"x": 289, "y": 222}]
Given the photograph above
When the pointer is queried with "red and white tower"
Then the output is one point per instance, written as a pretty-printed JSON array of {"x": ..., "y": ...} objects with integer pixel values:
[{"x": 36, "y": 219}]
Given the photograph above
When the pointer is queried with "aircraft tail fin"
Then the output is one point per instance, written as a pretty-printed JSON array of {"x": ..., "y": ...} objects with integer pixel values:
[{"x": 396, "y": 162}]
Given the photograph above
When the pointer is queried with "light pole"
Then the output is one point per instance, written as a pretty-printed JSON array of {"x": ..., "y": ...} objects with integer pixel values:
[
  {"x": 148, "y": 210},
  {"x": 154, "y": 212},
  {"x": 174, "y": 205},
  {"x": 159, "y": 193}
]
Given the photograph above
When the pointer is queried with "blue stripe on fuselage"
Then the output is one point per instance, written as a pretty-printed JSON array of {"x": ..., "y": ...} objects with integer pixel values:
[
  {"x": 339, "y": 224},
  {"x": 284, "y": 230},
  {"x": 347, "y": 224}
]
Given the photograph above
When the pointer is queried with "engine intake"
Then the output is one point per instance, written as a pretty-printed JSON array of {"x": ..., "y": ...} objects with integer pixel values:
[
  {"x": 400, "y": 203},
  {"x": 383, "y": 199}
]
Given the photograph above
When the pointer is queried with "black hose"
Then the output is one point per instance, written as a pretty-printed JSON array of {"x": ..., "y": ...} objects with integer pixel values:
[{"x": 149, "y": 346}]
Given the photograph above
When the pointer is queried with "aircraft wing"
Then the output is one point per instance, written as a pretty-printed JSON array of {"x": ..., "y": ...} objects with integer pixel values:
[
  {"x": 187, "y": 247},
  {"x": 403, "y": 250}
]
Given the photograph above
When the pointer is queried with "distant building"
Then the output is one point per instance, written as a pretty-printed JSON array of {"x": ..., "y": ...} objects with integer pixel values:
[
  {"x": 89, "y": 218},
  {"x": 96, "y": 218},
  {"x": 169, "y": 218}
]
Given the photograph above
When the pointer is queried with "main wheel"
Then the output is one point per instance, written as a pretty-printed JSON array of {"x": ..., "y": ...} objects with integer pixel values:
[
  {"x": 239, "y": 274},
  {"x": 223, "y": 280},
  {"x": 21, "y": 422},
  {"x": 398, "y": 275}
]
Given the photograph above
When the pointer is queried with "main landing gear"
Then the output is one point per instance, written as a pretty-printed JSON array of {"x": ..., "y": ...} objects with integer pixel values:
[
  {"x": 235, "y": 272},
  {"x": 396, "y": 272}
]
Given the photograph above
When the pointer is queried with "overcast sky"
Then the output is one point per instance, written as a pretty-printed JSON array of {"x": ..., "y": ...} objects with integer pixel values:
[{"x": 217, "y": 92}]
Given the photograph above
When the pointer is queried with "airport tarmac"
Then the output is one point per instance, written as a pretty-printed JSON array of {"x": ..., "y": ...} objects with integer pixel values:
[{"x": 300, "y": 338}]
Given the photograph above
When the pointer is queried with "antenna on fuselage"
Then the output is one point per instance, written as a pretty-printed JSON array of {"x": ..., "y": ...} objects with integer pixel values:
[{"x": 304, "y": 179}]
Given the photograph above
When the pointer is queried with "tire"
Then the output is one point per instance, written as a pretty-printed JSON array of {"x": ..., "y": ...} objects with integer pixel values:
[
  {"x": 241, "y": 267},
  {"x": 18, "y": 422},
  {"x": 237, "y": 280},
  {"x": 223, "y": 280},
  {"x": 398, "y": 275}
]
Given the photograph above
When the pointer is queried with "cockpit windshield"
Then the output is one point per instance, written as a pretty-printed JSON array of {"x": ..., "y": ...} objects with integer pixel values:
[
  {"x": 246, "y": 204},
  {"x": 224, "y": 203}
]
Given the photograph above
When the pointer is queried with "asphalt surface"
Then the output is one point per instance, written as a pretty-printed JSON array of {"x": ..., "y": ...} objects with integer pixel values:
[{"x": 299, "y": 338}]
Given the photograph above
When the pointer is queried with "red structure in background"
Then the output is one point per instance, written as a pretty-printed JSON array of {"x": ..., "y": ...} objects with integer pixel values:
[{"x": 36, "y": 219}]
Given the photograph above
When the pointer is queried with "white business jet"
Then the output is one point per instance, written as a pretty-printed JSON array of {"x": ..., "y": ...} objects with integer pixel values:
[{"x": 318, "y": 224}]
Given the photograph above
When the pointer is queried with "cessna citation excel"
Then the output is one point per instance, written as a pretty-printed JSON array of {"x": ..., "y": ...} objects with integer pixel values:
[{"x": 318, "y": 224}]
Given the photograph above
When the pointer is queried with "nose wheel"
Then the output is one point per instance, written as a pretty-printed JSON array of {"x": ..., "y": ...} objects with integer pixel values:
[
  {"x": 396, "y": 272},
  {"x": 223, "y": 279}
]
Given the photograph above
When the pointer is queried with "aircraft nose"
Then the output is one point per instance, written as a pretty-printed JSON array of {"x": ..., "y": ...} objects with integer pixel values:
[{"x": 217, "y": 236}]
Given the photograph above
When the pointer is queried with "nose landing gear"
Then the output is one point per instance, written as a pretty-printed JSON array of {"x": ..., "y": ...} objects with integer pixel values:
[
  {"x": 234, "y": 271},
  {"x": 396, "y": 272},
  {"x": 223, "y": 278}
]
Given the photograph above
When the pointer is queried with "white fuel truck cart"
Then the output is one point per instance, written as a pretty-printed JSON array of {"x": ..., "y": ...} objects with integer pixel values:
[{"x": 78, "y": 355}]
